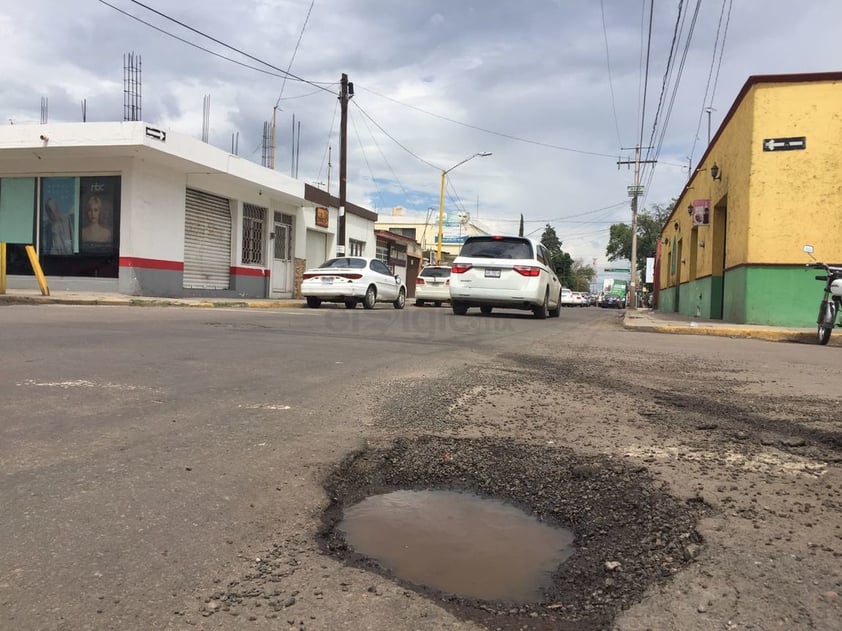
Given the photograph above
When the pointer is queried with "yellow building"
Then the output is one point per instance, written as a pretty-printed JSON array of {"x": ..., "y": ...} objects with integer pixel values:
[{"x": 769, "y": 183}]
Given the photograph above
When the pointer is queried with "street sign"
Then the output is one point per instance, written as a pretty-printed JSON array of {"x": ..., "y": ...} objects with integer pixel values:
[{"x": 784, "y": 144}]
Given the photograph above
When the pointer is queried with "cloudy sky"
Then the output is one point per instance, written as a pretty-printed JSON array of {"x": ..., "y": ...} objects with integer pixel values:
[{"x": 557, "y": 90}]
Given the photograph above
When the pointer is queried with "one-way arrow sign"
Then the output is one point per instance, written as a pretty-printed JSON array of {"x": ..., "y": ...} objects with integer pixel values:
[{"x": 784, "y": 144}]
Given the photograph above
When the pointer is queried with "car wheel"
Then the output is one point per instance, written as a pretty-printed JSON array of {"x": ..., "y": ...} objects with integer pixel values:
[
  {"x": 370, "y": 297},
  {"x": 419, "y": 303},
  {"x": 350, "y": 304},
  {"x": 313, "y": 302},
  {"x": 459, "y": 309},
  {"x": 541, "y": 312},
  {"x": 485, "y": 310},
  {"x": 557, "y": 311},
  {"x": 401, "y": 300}
]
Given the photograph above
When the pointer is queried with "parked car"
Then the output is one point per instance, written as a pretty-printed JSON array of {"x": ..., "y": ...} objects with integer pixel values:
[
  {"x": 433, "y": 285},
  {"x": 567, "y": 299},
  {"x": 506, "y": 272},
  {"x": 353, "y": 279},
  {"x": 578, "y": 299}
]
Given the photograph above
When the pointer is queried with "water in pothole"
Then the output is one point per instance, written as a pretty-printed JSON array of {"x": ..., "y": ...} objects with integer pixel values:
[{"x": 458, "y": 543}]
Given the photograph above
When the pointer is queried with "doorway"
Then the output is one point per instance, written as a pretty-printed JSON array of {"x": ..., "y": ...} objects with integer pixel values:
[{"x": 282, "y": 254}]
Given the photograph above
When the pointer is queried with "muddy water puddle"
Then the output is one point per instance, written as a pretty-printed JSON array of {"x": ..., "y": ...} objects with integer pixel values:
[{"x": 458, "y": 543}]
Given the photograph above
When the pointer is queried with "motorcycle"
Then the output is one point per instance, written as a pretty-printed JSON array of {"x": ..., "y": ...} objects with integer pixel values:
[{"x": 831, "y": 300}]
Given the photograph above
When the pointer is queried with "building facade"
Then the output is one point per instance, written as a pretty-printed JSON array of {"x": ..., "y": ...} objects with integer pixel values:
[
  {"x": 133, "y": 209},
  {"x": 768, "y": 184}
]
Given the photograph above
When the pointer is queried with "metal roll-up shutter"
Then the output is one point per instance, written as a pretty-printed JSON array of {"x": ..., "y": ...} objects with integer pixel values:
[{"x": 207, "y": 241}]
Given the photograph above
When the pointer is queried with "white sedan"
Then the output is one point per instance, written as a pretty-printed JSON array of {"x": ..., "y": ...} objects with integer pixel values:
[{"x": 353, "y": 279}]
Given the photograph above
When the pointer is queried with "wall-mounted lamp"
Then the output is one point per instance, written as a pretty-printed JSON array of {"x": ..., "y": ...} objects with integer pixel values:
[
  {"x": 690, "y": 209},
  {"x": 666, "y": 241},
  {"x": 714, "y": 172},
  {"x": 676, "y": 226}
]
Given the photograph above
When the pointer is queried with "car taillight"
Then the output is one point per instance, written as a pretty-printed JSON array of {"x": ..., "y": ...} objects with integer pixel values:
[
  {"x": 460, "y": 268},
  {"x": 419, "y": 281},
  {"x": 307, "y": 276},
  {"x": 350, "y": 276},
  {"x": 527, "y": 270}
]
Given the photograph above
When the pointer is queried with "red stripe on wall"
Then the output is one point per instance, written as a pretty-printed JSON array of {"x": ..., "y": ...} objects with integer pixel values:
[
  {"x": 133, "y": 261},
  {"x": 249, "y": 271}
]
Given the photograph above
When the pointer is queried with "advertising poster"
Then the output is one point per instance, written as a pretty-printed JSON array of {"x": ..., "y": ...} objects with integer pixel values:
[
  {"x": 99, "y": 210},
  {"x": 701, "y": 212},
  {"x": 59, "y": 216}
]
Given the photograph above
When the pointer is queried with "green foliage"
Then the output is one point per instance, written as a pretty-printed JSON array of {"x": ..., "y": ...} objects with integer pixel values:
[
  {"x": 649, "y": 224},
  {"x": 573, "y": 274},
  {"x": 550, "y": 239}
]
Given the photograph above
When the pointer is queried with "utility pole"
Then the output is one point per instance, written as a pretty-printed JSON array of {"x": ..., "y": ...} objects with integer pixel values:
[
  {"x": 346, "y": 91},
  {"x": 634, "y": 191}
]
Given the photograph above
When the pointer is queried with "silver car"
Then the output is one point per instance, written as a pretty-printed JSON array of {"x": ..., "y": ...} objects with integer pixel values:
[{"x": 504, "y": 272}]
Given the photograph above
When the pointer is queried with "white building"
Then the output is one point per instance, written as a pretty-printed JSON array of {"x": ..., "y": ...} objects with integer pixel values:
[{"x": 130, "y": 208}]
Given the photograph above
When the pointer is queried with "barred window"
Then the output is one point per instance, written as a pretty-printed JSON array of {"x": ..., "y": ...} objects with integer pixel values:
[
  {"x": 382, "y": 253},
  {"x": 253, "y": 219},
  {"x": 357, "y": 247}
]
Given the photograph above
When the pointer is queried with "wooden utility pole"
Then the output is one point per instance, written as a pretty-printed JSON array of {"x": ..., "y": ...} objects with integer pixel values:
[
  {"x": 634, "y": 191},
  {"x": 346, "y": 91}
]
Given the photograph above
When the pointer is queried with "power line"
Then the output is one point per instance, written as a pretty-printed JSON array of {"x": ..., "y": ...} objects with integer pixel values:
[
  {"x": 295, "y": 52},
  {"x": 395, "y": 140},
  {"x": 217, "y": 41},
  {"x": 490, "y": 131},
  {"x": 610, "y": 81}
]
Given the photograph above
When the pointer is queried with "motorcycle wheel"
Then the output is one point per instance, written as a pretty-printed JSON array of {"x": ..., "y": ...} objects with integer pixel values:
[{"x": 827, "y": 316}]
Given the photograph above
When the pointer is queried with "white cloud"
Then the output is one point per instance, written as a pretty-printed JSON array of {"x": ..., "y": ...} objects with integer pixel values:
[{"x": 531, "y": 71}]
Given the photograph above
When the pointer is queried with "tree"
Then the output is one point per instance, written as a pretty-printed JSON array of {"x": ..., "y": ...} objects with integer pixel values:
[
  {"x": 581, "y": 276},
  {"x": 649, "y": 224},
  {"x": 550, "y": 240}
]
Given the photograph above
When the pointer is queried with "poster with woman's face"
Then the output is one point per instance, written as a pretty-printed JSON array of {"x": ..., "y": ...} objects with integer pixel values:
[
  {"x": 59, "y": 216},
  {"x": 99, "y": 204}
]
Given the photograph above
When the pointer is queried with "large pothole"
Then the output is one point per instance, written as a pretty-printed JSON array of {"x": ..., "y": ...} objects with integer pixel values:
[{"x": 629, "y": 532}]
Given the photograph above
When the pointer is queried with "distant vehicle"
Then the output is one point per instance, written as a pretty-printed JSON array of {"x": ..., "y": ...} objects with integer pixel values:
[
  {"x": 578, "y": 299},
  {"x": 504, "y": 272},
  {"x": 353, "y": 279},
  {"x": 567, "y": 299},
  {"x": 433, "y": 285},
  {"x": 612, "y": 301}
]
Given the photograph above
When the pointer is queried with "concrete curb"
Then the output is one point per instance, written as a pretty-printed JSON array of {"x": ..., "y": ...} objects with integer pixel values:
[{"x": 795, "y": 336}]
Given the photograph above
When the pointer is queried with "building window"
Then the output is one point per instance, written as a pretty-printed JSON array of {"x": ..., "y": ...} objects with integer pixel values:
[
  {"x": 357, "y": 247},
  {"x": 382, "y": 253},
  {"x": 254, "y": 217}
]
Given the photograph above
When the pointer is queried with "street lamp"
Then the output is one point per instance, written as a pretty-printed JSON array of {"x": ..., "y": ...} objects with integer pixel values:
[{"x": 444, "y": 173}]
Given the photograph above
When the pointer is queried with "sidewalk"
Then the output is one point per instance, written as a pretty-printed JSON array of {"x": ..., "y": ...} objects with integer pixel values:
[
  {"x": 659, "y": 322},
  {"x": 33, "y": 296}
]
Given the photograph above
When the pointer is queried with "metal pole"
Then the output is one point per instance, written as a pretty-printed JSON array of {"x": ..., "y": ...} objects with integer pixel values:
[{"x": 441, "y": 218}]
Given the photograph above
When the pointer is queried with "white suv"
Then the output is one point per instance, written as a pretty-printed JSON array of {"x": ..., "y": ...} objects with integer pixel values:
[{"x": 505, "y": 272}]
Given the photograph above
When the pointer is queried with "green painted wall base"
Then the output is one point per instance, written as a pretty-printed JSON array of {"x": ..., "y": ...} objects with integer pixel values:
[{"x": 773, "y": 295}]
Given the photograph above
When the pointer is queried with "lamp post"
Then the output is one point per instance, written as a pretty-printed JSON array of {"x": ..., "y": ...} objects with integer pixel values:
[{"x": 444, "y": 173}]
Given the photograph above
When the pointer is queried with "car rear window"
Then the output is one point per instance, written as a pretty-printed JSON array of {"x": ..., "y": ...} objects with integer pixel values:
[
  {"x": 497, "y": 248},
  {"x": 436, "y": 272},
  {"x": 344, "y": 263}
]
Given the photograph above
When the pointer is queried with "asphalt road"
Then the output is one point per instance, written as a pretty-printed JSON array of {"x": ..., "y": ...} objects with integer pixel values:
[{"x": 151, "y": 455}]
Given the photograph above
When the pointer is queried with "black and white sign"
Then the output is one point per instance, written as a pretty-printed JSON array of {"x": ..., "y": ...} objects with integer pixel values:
[{"x": 784, "y": 144}]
